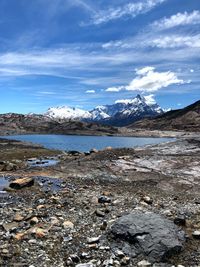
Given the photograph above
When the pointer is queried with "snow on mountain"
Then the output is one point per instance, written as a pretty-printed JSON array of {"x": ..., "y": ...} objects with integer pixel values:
[
  {"x": 121, "y": 113},
  {"x": 66, "y": 112}
]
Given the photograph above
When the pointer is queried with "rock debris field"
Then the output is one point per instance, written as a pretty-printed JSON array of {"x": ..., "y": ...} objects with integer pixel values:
[{"x": 116, "y": 207}]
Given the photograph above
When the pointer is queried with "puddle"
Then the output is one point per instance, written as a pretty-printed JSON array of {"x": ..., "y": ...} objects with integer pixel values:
[
  {"x": 3, "y": 183},
  {"x": 42, "y": 162}
]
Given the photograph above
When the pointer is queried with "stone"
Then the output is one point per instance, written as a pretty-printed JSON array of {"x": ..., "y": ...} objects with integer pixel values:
[
  {"x": 68, "y": 225},
  {"x": 99, "y": 213},
  {"x": 19, "y": 236},
  {"x": 92, "y": 240},
  {"x": 108, "y": 148},
  {"x": 93, "y": 150},
  {"x": 10, "y": 226},
  {"x": 180, "y": 220},
  {"x": 125, "y": 260},
  {"x": 89, "y": 264},
  {"x": 103, "y": 225},
  {"x": 54, "y": 221},
  {"x": 147, "y": 234},
  {"x": 144, "y": 263},
  {"x": 196, "y": 234},
  {"x": 21, "y": 183},
  {"x": 38, "y": 232},
  {"x": 147, "y": 200},
  {"x": 104, "y": 199},
  {"x": 18, "y": 217},
  {"x": 119, "y": 253},
  {"x": 9, "y": 167},
  {"x": 75, "y": 258},
  {"x": 34, "y": 220}
]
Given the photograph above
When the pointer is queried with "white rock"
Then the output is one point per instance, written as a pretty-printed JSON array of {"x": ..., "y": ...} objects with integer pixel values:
[
  {"x": 196, "y": 234},
  {"x": 144, "y": 263},
  {"x": 92, "y": 240},
  {"x": 89, "y": 264}
]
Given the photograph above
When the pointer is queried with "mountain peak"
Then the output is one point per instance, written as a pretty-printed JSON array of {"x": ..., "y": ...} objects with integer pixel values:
[{"x": 121, "y": 113}]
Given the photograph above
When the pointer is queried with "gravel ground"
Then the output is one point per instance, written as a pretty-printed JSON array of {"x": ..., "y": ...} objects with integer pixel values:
[{"x": 65, "y": 218}]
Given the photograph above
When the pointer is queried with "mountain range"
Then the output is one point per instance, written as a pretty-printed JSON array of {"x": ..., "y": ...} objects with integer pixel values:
[{"x": 121, "y": 113}]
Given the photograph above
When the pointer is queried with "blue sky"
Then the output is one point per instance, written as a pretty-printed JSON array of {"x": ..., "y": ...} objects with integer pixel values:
[{"x": 84, "y": 53}]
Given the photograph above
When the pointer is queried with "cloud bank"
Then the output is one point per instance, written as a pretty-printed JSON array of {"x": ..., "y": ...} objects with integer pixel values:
[
  {"x": 149, "y": 80},
  {"x": 128, "y": 10},
  {"x": 179, "y": 19}
]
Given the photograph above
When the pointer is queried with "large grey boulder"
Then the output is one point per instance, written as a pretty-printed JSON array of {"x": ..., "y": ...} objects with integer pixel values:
[{"x": 147, "y": 234}]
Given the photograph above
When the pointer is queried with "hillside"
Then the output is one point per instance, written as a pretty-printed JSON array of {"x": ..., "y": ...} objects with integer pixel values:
[
  {"x": 187, "y": 119},
  {"x": 12, "y": 123}
]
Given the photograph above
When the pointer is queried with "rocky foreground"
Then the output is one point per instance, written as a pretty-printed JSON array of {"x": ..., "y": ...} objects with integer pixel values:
[{"x": 116, "y": 207}]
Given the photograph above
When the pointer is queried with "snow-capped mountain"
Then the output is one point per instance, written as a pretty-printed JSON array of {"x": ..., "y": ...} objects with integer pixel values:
[
  {"x": 66, "y": 112},
  {"x": 121, "y": 113}
]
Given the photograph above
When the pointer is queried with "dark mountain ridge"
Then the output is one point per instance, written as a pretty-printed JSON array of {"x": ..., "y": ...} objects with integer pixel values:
[
  {"x": 187, "y": 119},
  {"x": 13, "y": 123}
]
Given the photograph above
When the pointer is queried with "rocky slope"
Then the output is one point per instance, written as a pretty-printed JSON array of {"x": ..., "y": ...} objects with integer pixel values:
[
  {"x": 122, "y": 113},
  {"x": 12, "y": 123},
  {"x": 186, "y": 119}
]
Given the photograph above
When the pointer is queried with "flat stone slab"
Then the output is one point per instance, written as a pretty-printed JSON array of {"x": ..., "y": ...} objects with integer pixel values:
[
  {"x": 148, "y": 234},
  {"x": 21, "y": 183}
]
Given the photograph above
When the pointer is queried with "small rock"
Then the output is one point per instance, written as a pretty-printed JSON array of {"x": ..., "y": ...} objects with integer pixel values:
[
  {"x": 107, "y": 263},
  {"x": 144, "y": 264},
  {"x": 92, "y": 240},
  {"x": 119, "y": 253},
  {"x": 93, "y": 150},
  {"x": 10, "y": 226},
  {"x": 89, "y": 264},
  {"x": 34, "y": 220},
  {"x": 180, "y": 220},
  {"x": 18, "y": 217},
  {"x": 147, "y": 200},
  {"x": 38, "y": 232},
  {"x": 196, "y": 234},
  {"x": 104, "y": 199},
  {"x": 54, "y": 221},
  {"x": 19, "y": 236},
  {"x": 125, "y": 260},
  {"x": 104, "y": 225},
  {"x": 93, "y": 246},
  {"x": 75, "y": 258},
  {"x": 5, "y": 251},
  {"x": 68, "y": 225},
  {"x": 99, "y": 213}
]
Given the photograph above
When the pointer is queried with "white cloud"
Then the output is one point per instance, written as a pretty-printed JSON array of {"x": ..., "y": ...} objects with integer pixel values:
[
  {"x": 144, "y": 70},
  {"x": 90, "y": 91},
  {"x": 175, "y": 41},
  {"x": 180, "y": 19},
  {"x": 150, "y": 99},
  {"x": 149, "y": 80},
  {"x": 128, "y": 10},
  {"x": 115, "y": 89},
  {"x": 153, "y": 39}
]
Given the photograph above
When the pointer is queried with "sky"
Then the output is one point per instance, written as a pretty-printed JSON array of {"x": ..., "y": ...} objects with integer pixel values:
[{"x": 84, "y": 53}]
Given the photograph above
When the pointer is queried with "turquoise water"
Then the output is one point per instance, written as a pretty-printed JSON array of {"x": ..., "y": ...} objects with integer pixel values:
[{"x": 85, "y": 143}]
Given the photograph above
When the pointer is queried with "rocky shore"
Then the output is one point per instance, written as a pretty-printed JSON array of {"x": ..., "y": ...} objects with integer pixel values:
[{"x": 115, "y": 207}]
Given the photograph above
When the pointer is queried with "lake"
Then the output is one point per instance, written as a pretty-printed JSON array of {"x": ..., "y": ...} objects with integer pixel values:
[{"x": 86, "y": 143}]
